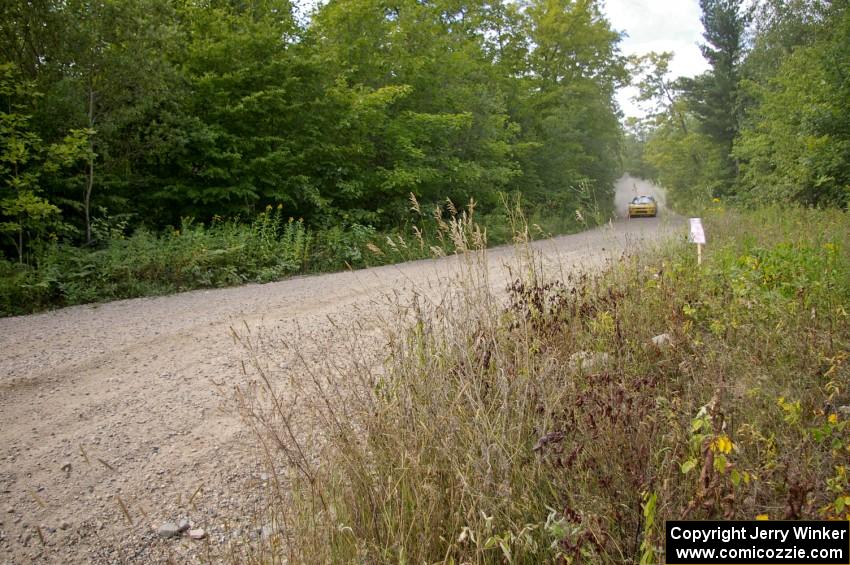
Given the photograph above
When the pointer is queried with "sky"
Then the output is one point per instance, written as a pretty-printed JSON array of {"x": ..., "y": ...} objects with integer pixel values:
[{"x": 658, "y": 25}]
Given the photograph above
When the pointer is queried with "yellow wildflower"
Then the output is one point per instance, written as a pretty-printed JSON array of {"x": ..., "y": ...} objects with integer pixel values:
[
  {"x": 762, "y": 517},
  {"x": 722, "y": 444},
  {"x": 833, "y": 418}
]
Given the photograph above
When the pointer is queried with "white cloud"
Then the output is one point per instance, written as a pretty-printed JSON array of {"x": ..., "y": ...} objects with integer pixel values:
[{"x": 658, "y": 25}]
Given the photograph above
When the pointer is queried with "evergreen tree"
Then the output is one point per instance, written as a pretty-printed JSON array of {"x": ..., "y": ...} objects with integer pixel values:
[{"x": 714, "y": 96}]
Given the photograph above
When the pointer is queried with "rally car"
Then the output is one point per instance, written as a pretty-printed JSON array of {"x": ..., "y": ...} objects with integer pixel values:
[{"x": 643, "y": 206}]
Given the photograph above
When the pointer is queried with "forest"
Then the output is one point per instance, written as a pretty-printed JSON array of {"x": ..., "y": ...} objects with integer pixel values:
[
  {"x": 767, "y": 124},
  {"x": 226, "y": 119},
  {"x": 148, "y": 146}
]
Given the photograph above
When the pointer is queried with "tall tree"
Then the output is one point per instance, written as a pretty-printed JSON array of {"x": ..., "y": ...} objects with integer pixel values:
[
  {"x": 115, "y": 76},
  {"x": 714, "y": 96},
  {"x": 26, "y": 162},
  {"x": 688, "y": 162},
  {"x": 448, "y": 135},
  {"x": 576, "y": 66},
  {"x": 220, "y": 107}
]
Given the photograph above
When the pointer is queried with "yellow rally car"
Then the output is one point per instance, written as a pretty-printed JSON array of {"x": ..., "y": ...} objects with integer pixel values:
[{"x": 643, "y": 206}]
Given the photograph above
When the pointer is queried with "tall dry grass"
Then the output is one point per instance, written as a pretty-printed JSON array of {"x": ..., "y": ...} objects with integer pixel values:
[{"x": 543, "y": 424}]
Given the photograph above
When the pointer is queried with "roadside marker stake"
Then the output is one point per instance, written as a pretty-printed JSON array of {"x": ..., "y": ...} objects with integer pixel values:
[{"x": 697, "y": 236}]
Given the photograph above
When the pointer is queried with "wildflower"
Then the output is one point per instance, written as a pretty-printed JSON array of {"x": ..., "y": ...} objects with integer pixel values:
[
  {"x": 722, "y": 444},
  {"x": 716, "y": 200},
  {"x": 762, "y": 517},
  {"x": 833, "y": 418}
]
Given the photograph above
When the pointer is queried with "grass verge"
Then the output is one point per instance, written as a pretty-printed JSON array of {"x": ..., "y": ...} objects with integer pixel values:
[{"x": 549, "y": 426}]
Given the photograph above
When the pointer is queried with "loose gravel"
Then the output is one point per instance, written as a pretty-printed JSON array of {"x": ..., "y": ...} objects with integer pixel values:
[{"x": 117, "y": 439}]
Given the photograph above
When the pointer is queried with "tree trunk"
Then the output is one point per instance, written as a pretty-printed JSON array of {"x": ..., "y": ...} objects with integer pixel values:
[
  {"x": 87, "y": 203},
  {"x": 90, "y": 179}
]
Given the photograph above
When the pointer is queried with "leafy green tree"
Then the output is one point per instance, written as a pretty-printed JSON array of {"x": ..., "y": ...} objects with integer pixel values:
[
  {"x": 220, "y": 108},
  {"x": 31, "y": 34},
  {"x": 657, "y": 91},
  {"x": 682, "y": 157},
  {"x": 636, "y": 135},
  {"x": 796, "y": 141},
  {"x": 779, "y": 27},
  {"x": 688, "y": 162},
  {"x": 569, "y": 110},
  {"x": 116, "y": 79},
  {"x": 449, "y": 134},
  {"x": 25, "y": 161},
  {"x": 228, "y": 141},
  {"x": 102, "y": 66}
]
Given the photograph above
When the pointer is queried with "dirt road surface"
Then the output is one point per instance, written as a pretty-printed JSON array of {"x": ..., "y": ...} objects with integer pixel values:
[{"x": 114, "y": 418}]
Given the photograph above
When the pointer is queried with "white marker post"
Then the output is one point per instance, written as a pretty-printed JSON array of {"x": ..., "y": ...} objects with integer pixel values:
[{"x": 697, "y": 236}]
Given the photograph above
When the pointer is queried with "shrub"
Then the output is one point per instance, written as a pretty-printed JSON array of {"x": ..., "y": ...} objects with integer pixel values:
[{"x": 192, "y": 256}]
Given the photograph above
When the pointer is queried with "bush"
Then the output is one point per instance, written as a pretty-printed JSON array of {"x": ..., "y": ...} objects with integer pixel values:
[{"x": 193, "y": 256}]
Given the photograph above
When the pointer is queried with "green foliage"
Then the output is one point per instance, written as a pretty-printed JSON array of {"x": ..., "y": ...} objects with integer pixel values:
[
  {"x": 237, "y": 108},
  {"x": 693, "y": 122},
  {"x": 715, "y": 94},
  {"x": 193, "y": 256},
  {"x": 647, "y": 550},
  {"x": 568, "y": 103},
  {"x": 669, "y": 143},
  {"x": 25, "y": 163},
  {"x": 796, "y": 145},
  {"x": 687, "y": 162},
  {"x": 634, "y": 152},
  {"x": 228, "y": 252},
  {"x": 159, "y": 110},
  {"x": 766, "y": 125}
]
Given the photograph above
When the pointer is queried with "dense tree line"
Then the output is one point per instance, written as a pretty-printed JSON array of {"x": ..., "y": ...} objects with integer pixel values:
[
  {"x": 770, "y": 120},
  {"x": 125, "y": 113}
]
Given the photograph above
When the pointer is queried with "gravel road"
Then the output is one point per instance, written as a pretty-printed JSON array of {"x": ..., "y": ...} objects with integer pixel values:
[{"x": 114, "y": 418}]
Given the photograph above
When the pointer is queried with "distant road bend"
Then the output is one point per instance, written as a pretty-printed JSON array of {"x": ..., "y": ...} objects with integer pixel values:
[{"x": 110, "y": 419}]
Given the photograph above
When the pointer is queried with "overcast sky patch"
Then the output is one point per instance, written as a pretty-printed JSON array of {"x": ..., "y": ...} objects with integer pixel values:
[{"x": 658, "y": 25}]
